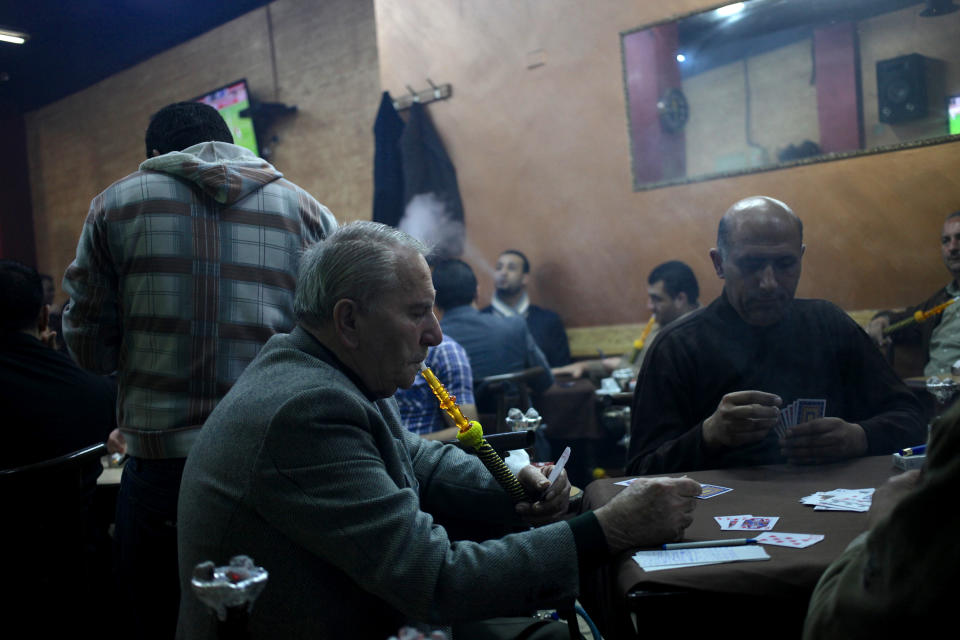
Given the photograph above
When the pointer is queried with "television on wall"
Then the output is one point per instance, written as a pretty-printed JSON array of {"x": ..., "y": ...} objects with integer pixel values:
[
  {"x": 953, "y": 115},
  {"x": 233, "y": 102}
]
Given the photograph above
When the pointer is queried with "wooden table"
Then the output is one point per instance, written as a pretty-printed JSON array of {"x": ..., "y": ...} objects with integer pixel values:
[{"x": 724, "y": 597}]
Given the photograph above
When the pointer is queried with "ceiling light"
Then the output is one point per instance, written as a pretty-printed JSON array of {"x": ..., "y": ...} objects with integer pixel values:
[
  {"x": 681, "y": 57},
  {"x": 15, "y": 37},
  {"x": 730, "y": 9}
]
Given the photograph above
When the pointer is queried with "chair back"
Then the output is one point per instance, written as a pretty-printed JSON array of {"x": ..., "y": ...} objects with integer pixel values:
[{"x": 47, "y": 537}]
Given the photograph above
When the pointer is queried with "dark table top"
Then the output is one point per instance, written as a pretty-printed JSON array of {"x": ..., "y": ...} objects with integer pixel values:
[{"x": 773, "y": 490}]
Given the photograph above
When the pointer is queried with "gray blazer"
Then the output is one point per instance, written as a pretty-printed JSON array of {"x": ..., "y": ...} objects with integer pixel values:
[{"x": 323, "y": 487}]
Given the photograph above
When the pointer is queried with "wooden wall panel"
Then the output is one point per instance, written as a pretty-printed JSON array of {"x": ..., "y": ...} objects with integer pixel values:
[
  {"x": 326, "y": 65},
  {"x": 543, "y": 160}
]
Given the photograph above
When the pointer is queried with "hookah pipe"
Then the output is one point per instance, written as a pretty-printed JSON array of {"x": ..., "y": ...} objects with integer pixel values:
[
  {"x": 918, "y": 317},
  {"x": 639, "y": 342},
  {"x": 470, "y": 433}
]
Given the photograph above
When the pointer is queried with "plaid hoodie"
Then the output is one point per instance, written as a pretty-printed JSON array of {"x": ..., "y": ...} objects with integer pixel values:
[{"x": 183, "y": 270}]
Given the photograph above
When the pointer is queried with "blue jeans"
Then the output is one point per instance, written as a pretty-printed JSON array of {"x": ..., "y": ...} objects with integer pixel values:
[{"x": 146, "y": 545}]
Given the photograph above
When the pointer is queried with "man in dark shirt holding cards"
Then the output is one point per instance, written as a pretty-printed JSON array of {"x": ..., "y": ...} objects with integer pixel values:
[{"x": 758, "y": 377}]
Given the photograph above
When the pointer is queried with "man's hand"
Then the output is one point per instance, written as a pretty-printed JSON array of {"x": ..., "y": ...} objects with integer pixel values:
[
  {"x": 875, "y": 331},
  {"x": 574, "y": 369},
  {"x": 552, "y": 505},
  {"x": 650, "y": 511},
  {"x": 743, "y": 417},
  {"x": 116, "y": 443},
  {"x": 890, "y": 493},
  {"x": 823, "y": 440},
  {"x": 49, "y": 338}
]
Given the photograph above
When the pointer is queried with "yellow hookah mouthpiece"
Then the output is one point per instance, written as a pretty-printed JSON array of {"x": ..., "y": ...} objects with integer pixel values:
[{"x": 447, "y": 402}]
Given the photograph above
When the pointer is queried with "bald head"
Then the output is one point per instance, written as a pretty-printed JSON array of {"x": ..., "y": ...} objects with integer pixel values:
[
  {"x": 758, "y": 255},
  {"x": 757, "y": 211}
]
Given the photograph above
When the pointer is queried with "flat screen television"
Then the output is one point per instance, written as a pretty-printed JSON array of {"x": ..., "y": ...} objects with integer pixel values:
[
  {"x": 953, "y": 115},
  {"x": 233, "y": 102}
]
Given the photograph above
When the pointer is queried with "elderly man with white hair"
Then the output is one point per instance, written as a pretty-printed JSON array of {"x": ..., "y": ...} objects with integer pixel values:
[{"x": 305, "y": 467}]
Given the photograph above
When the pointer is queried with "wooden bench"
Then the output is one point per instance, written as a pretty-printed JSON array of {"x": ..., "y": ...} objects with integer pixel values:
[{"x": 617, "y": 339}]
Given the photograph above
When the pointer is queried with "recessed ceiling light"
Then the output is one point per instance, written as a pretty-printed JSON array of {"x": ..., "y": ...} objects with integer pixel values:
[
  {"x": 730, "y": 9},
  {"x": 6, "y": 35}
]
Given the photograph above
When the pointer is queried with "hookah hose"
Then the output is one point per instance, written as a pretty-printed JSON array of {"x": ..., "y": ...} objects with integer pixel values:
[
  {"x": 918, "y": 317},
  {"x": 470, "y": 433}
]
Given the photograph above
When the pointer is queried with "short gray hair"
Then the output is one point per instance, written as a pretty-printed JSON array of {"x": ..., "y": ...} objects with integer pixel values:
[{"x": 357, "y": 261}]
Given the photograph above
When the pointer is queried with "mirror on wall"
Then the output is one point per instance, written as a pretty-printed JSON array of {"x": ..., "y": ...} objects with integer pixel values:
[{"x": 763, "y": 84}]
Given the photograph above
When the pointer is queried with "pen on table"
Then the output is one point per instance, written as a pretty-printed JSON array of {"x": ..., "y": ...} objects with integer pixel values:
[
  {"x": 732, "y": 542},
  {"x": 914, "y": 451}
]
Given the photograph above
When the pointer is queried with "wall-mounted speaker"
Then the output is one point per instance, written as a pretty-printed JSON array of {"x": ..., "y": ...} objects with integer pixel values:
[{"x": 902, "y": 88}]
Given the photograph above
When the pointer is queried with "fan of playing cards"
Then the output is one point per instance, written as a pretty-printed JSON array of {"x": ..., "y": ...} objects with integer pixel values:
[
  {"x": 840, "y": 500},
  {"x": 798, "y": 411}
]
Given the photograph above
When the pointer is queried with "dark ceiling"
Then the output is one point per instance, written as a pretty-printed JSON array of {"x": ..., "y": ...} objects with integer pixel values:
[{"x": 76, "y": 43}]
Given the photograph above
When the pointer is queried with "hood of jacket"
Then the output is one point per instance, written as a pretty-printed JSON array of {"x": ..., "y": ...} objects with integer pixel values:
[{"x": 226, "y": 172}]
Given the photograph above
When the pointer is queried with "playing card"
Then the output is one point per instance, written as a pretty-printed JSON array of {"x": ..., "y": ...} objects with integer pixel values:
[
  {"x": 726, "y": 522},
  {"x": 712, "y": 490},
  {"x": 808, "y": 410},
  {"x": 840, "y": 500},
  {"x": 561, "y": 463},
  {"x": 795, "y": 540},
  {"x": 753, "y": 523}
]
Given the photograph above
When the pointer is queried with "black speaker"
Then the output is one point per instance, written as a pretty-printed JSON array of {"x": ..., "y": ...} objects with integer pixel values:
[{"x": 902, "y": 88}]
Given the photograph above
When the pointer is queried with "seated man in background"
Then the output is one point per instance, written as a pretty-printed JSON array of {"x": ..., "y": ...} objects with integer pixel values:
[
  {"x": 57, "y": 550},
  {"x": 710, "y": 390},
  {"x": 511, "y": 299},
  {"x": 50, "y": 405},
  {"x": 494, "y": 344},
  {"x": 305, "y": 467},
  {"x": 939, "y": 336},
  {"x": 55, "y": 322},
  {"x": 672, "y": 292},
  {"x": 885, "y": 585},
  {"x": 420, "y": 410}
]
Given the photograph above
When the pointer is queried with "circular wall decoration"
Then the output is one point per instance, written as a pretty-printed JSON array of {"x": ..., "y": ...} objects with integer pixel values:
[{"x": 674, "y": 110}]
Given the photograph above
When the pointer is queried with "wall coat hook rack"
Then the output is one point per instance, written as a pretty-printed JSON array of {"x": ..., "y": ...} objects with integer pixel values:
[{"x": 424, "y": 96}]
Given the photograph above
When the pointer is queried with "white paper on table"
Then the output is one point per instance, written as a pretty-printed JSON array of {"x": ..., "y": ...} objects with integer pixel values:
[
  {"x": 675, "y": 558},
  {"x": 517, "y": 460}
]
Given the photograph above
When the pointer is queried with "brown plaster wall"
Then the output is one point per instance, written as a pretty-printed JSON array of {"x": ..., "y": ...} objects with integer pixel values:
[
  {"x": 326, "y": 63},
  {"x": 543, "y": 161}
]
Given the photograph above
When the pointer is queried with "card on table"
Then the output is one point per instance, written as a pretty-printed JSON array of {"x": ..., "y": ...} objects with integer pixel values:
[
  {"x": 840, "y": 500},
  {"x": 795, "y": 540},
  {"x": 746, "y": 522},
  {"x": 724, "y": 521},
  {"x": 706, "y": 490},
  {"x": 712, "y": 490}
]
